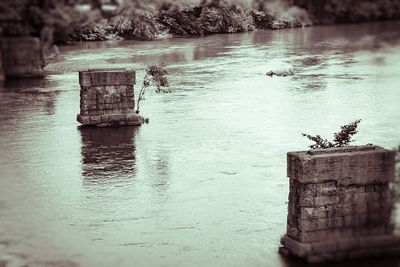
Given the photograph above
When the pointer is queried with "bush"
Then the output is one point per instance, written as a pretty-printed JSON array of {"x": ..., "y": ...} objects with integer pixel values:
[
  {"x": 341, "y": 138},
  {"x": 344, "y": 11},
  {"x": 155, "y": 77},
  {"x": 226, "y": 20},
  {"x": 181, "y": 22},
  {"x": 137, "y": 24},
  {"x": 94, "y": 32}
]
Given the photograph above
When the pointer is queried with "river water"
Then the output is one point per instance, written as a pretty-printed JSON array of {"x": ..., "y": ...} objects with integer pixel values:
[{"x": 204, "y": 183}]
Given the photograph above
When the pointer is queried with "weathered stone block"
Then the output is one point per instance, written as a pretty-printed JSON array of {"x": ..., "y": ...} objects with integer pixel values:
[
  {"x": 295, "y": 247},
  {"x": 282, "y": 250},
  {"x": 85, "y": 120},
  {"x": 134, "y": 119},
  {"x": 316, "y": 236},
  {"x": 332, "y": 222},
  {"x": 312, "y": 213},
  {"x": 117, "y": 117},
  {"x": 292, "y": 220},
  {"x": 129, "y": 90},
  {"x": 95, "y": 112},
  {"x": 309, "y": 225},
  {"x": 307, "y": 202},
  {"x": 347, "y": 166},
  {"x": 325, "y": 246},
  {"x": 293, "y": 232},
  {"x": 315, "y": 258},
  {"x": 293, "y": 208},
  {"x": 105, "y": 118},
  {"x": 328, "y": 211},
  {"x": 106, "y": 77},
  {"x": 95, "y": 119},
  {"x": 104, "y": 125},
  {"x": 327, "y": 191},
  {"x": 341, "y": 249},
  {"x": 326, "y": 200}
]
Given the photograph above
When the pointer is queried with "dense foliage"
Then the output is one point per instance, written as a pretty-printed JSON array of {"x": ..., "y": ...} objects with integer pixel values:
[
  {"x": 153, "y": 19},
  {"x": 344, "y": 11},
  {"x": 341, "y": 138},
  {"x": 142, "y": 20}
]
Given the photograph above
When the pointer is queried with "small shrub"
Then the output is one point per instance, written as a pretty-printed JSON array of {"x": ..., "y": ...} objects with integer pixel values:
[
  {"x": 94, "y": 32},
  {"x": 226, "y": 20},
  {"x": 137, "y": 24},
  {"x": 341, "y": 138},
  {"x": 155, "y": 77},
  {"x": 181, "y": 22}
]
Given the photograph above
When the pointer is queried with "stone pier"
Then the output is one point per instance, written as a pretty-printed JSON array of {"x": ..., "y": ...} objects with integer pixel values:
[
  {"x": 22, "y": 57},
  {"x": 340, "y": 204},
  {"x": 107, "y": 98}
]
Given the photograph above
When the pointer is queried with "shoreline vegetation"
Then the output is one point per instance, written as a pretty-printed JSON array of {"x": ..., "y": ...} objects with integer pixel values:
[{"x": 94, "y": 20}]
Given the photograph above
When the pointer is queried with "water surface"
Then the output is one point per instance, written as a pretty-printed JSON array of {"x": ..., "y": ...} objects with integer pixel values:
[{"x": 204, "y": 183}]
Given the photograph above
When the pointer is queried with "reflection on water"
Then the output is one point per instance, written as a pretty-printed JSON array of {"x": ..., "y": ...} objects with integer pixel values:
[
  {"x": 108, "y": 153},
  {"x": 19, "y": 97},
  {"x": 204, "y": 183}
]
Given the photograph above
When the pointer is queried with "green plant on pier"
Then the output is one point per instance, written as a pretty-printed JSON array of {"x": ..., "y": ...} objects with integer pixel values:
[
  {"x": 341, "y": 138},
  {"x": 155, "y": 77}
]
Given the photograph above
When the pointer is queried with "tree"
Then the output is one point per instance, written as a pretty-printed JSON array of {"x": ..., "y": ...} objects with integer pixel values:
[
  {"x": 341, "y": 138},
  {"x": 155, "y": 77}
]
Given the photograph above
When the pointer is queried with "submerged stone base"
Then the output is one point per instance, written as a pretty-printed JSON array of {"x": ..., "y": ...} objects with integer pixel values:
[
  {"x": 111, "y": 120},
  {"x": 339, "y": 249}
]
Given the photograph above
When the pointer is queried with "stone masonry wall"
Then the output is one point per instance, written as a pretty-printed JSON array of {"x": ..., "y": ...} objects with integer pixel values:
[
  {"x": 22, "y": 57},
  {"x": 107, "y": 98},
  {"x": 340, "y": 204}
]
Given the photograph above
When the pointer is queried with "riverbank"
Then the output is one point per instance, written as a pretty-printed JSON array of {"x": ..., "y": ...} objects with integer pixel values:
[
  {"x": 206, "y": 19},
  {"x": 213, "y": 17},
  {"x": 155, "y": 20}
]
